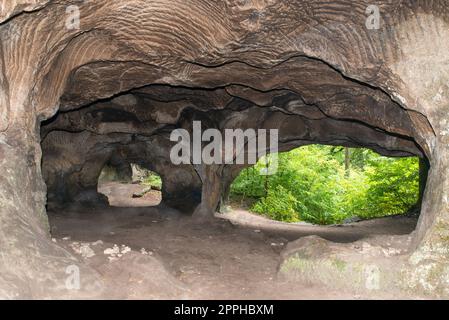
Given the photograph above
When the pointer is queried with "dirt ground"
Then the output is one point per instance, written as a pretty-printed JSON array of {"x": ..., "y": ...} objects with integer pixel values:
[
  {"x": 121, "y": 195},
  {"x": 157, "y": 253}
]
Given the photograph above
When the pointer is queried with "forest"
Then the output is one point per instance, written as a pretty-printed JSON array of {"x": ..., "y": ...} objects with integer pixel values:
[{"x": 330, "y": 185}]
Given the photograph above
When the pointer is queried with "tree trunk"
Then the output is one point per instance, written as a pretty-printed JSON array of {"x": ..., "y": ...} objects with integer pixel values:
[
  {"x": 347, "y": 161},
  {"x": 267, "y": 166}
]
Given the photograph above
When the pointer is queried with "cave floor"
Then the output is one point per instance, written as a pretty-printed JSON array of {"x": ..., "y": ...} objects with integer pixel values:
[{"x": 157, "y": 253}]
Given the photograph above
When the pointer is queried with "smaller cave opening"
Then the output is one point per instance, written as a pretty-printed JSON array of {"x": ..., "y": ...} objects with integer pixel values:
[
  {"x": 130, "y": 185},
  {"x": 322, "y": 185}
]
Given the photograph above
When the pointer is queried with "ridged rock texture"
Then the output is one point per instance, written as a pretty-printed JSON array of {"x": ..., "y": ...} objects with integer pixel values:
[{"x": 111, "y": 89}]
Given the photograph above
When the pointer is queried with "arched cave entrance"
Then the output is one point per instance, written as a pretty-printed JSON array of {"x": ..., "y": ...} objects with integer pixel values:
[
  {"x": 330, "y": 185},
  {"x": 134, "y": 128},
  {"x": 130, "y": 185}
]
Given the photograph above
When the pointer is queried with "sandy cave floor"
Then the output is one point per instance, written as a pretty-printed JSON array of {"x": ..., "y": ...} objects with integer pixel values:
[{"x": 157, "y": 253}]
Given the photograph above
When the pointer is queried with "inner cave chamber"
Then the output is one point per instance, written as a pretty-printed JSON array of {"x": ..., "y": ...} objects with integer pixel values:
[
  {"x": 111, "y": 93},
  {"x": 135, "y": 128}
]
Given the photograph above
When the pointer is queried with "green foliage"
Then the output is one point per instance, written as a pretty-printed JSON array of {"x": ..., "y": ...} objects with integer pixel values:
[
  {"x": 393, "y": 186},
  {"x": 352, "y": 199},
  {"x": 152, "y": 179},
  {"x": 278, "y": 205},
  {"x": 249, "y": 183},
  {"x": 312, "y": 185}
]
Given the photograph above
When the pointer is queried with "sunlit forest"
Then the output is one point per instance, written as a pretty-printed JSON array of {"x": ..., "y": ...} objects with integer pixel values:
[{"x": 330, "y": 185}]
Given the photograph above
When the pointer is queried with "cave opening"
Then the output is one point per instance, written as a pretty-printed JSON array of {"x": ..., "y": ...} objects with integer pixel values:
[
  {"x": 331, "y": 185},
  {"x": 130, "y": 185},
  {"x": 91, "y": 151}
]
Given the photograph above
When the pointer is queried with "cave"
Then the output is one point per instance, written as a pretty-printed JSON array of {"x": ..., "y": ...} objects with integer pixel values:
[
  {"x": 129, "y": 185},
  {"x": 84, "y": 86}
]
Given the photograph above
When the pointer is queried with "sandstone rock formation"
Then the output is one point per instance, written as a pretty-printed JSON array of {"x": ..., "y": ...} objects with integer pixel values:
[{"x": 74, "y": 97}]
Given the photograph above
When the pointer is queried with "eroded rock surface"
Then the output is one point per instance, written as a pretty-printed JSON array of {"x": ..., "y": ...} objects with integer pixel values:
[{"x": 112, "y": 88}]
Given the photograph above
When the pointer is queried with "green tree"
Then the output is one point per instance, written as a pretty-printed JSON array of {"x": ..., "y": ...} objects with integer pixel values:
[
  {"x": 393, "y": 186},
  {"x": 313, "y": 184}
]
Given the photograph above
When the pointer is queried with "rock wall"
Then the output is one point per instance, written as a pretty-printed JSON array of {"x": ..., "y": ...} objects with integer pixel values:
[{"x": 312, "y": 69}]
